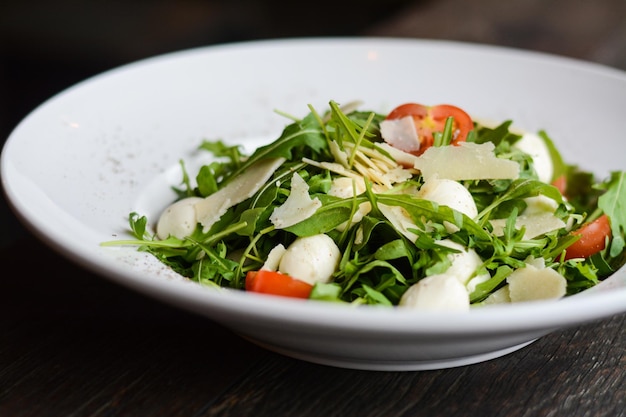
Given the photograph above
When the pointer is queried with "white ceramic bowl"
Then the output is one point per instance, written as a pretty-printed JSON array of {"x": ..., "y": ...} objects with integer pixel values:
[{"x": 82, "y": 161}]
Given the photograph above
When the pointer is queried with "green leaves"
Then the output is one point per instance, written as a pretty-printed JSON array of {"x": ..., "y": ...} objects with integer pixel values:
[
  {"x": 421, "y": 210},
  {"x": 613, "y": 203},
  {"x": 384, "y": 251},
  {"x": 304, "y": 138},
  {"x": 520, "y": 189}
]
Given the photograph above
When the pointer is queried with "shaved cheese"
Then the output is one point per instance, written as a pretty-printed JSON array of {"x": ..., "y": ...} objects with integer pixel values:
[
  {"x": 466, "y": 161},
  {"x": 538, "y": 218},
  {"x": 403, "y": 158},
  {"x": 396, "y": 175},
  {"x": 536, "y": 224},
  {"x": 500, "y": 296},
  {"x": 345, "y": 187},
  {"x": 401, "y": 134},
  {"x": 400, "y": 220},
  {"x": 298, "y": 207},
  {"x": 274, "y": 257},
  {"x": 531, "y": 283},
  {"x": 244, "y": 186},
  {"x": 540, "y": 204},
  {"x": 340, "y": 156},
  {"x": 334, "y": 167}
]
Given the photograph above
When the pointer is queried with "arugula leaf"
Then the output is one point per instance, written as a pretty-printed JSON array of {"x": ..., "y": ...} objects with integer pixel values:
[
  {"x": 613, "y": 203},
  {"x": 421, "y": 210},
  {"x": 522, "y": 188},
  {"x": 483, "y": 289},
  {"x": 497, "y": 135},
  {"x": 326, "y": 292},
  {"x": 379, "y": 263},
  {"x": 138, "y": 225},
  {"x": 305, "y": 134}
]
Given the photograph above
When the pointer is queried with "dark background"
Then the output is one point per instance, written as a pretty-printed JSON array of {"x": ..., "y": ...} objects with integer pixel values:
[{"x": 47, "y": 46}]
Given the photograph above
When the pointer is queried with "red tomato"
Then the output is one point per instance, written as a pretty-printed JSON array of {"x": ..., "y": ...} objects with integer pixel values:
[
  {"x": 271, "y": 282},
  {"x": 561, "y": 184},
  {"x": 430, "y": 119},
  {"x": 592, "y": 240}
]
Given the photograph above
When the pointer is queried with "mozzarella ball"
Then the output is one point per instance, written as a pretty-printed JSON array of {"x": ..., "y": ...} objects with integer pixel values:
[
  {"x": 179, "y": 219},
  {"x": 311, "y": 259},
  {"x": 440, "y": 292},
  {"x": 536, "y": 147},
  {"x": 464, "y": 263},
  {"x": 449, "y": 193}
]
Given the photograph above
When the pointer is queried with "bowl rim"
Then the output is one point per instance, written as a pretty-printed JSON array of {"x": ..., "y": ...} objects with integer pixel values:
[{"x": 493, "y": 319}]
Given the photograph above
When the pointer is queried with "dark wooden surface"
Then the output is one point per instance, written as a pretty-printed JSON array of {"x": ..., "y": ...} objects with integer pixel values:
[{"x": 73, "y": 344}]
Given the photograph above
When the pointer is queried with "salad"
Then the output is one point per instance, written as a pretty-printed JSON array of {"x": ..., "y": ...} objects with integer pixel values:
[{"x": 422, "y": 207}]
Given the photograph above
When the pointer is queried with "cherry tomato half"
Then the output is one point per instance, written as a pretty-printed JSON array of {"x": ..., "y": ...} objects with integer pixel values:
[
  {"x": 431, "y": 119},
  {"x": 272, "y": 282},
  {"x": 592, "y": 240},
  {"x": 561, "y": 184}
]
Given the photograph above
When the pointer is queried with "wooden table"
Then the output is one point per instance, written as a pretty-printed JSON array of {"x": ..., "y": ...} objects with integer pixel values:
[{"x": 73, "y": 344}]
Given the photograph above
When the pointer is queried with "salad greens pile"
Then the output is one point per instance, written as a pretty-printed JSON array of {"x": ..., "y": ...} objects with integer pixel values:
[{"x": 378, "y": 262}]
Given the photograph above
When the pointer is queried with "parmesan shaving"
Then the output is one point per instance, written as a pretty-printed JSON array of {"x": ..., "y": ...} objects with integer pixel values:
[
  {"x": 466, "y": 161},
  {"x": 244, "y": 186},
  {"x": 298, "y": 207}
]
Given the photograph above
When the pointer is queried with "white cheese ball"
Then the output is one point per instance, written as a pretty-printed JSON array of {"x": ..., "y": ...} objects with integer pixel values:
[
  {"x": 442, "y": 292},
  {"x": 449, "y": 193},
  {"x": 464, "y": 264},
  {"x": 179, "y": 219},
  {"x": 311, "y": 259},
  {"x": 536, "y": 147}
]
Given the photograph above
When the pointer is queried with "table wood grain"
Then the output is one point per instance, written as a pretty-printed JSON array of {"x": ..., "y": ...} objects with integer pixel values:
[
  {"x": 73, "y": 344},
  {"x": 76, "y": 345}
]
